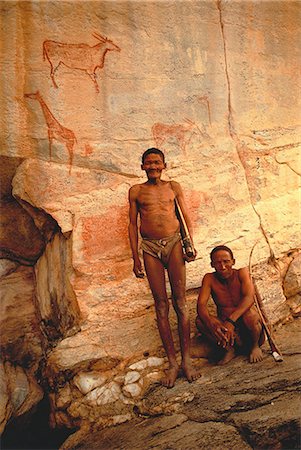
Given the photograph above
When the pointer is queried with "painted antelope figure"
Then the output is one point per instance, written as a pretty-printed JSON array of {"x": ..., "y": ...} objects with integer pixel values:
[
  {"x": 55, "y": 129},
  {"x": 182, "y": 132},
  {"x": 78, "y": 56}
]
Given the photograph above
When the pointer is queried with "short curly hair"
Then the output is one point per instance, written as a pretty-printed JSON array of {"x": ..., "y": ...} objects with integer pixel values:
[
  {"x": 221, "y": 247},
  {"x": 152, "y": 150}
]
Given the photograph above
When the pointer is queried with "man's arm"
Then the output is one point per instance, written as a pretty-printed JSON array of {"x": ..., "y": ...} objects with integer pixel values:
[
  {"x": 247, "y": 290},
  {"x": 215, "y": 325},
  {"x": 246, "y": 302},
  {"x": 133, "y": 231}
]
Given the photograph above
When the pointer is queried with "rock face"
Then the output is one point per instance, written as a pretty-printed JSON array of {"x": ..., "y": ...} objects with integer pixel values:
[{"x": 211, "y": 84}]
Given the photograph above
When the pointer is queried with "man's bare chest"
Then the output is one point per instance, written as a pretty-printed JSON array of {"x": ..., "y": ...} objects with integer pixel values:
[
  {"x": 162, "y": 197},
  {"x": 227, "y": 293}
]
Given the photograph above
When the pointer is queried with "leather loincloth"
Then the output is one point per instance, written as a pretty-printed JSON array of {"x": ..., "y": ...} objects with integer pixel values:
[{"x": 160, "y": 248}]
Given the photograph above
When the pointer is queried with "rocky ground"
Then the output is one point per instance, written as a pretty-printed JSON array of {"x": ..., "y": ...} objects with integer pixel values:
[{"x": 237, "y": 406}]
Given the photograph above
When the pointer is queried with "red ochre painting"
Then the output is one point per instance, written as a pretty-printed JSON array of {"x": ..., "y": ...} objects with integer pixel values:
[
  {"x": 56, "y": 131},
  {"x": 194, "y": 200},
  {"x": 180, "y": 132},
  {"x": 78, "y": 56},
  {"x": 106, "y": 235}
]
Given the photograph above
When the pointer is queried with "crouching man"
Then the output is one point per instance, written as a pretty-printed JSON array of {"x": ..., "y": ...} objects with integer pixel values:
[{"x": 237, "y": 324}]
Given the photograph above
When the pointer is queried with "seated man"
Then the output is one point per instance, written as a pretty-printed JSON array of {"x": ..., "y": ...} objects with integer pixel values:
[{"x": 237, "y": 323}]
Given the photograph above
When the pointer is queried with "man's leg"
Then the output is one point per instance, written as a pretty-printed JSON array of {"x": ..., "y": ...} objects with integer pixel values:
[
  {"x": 156, "y": 278},
  {"x": 177, "y": 277},
  {"x": 206, "y": 344},
  {"x": 252, "y": 321}
]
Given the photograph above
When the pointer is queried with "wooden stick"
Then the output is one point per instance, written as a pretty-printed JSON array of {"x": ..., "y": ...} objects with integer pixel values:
[
  {"x": 186, "y": 238},
  {"x": 276, "y": 353}
]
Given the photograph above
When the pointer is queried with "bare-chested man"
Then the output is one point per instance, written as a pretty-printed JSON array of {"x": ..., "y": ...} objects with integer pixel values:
[
  {"x": 237, "y": 323},
  {"x": 162, "y": 249}
]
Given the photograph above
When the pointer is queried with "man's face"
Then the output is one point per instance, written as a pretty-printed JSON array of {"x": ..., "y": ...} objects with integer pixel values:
[
  {"x": 153, "y": 166},
  {"x": 223, "y": 263}
]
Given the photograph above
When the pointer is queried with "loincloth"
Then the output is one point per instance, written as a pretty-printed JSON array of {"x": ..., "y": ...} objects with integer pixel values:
[{"x": 160, "y": 248}]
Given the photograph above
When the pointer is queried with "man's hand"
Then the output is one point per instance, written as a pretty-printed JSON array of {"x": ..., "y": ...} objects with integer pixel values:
[
  {"x": 230, "y": 334},
  {"x": 219, "y": 330},
  {"x": 190, "y": 258},
  {"x": 137, "y": 269}
]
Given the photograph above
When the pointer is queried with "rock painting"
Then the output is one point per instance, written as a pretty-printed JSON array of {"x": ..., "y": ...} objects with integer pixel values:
[
  {"x": 181, "y": 132},
  {"x": 105, "y": 236},
  {"x": 56, "y": 131},
  {"x": 204, "y": 100},
  {"x": 78, "y": 56}
]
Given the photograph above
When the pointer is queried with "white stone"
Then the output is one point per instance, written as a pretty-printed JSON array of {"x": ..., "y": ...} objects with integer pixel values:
[
  {"x": 132, "y": 389},
  {"x": 92, "y": 396},
  {"x": 139, "y": 365},
  {"x": 131, "y": 377},
  {"x": 153, "y": 376},
  {"x": 121, "y": 418},
  {"x": 126, "y": 399},
  {"x": 154, "y": 361},
  {"x": 87, "y": 381},
  {"x": 108, "y": 393},
  {"x": 119, "y": 379}
]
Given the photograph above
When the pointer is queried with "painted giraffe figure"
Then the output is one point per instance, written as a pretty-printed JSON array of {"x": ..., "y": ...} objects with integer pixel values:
[{"x": 56, "y": 131}]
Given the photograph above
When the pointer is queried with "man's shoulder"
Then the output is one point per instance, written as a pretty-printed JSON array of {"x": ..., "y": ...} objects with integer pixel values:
[
  {"x": 134, "y": 191},
  {"x": 208, "y": 277},
  {"x": 136, "y": 187},
  {"x": 243, "y": 273},
  {"x": 175, "y": 186}
]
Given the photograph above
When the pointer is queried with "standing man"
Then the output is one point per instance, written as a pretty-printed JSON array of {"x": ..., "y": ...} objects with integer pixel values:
[
  {"x": 237, "y": 320},
  {"x": 162, "y": 249}
]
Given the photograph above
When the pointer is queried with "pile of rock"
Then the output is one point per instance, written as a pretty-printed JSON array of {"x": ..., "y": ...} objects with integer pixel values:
[{"x": 106, "y": 397}]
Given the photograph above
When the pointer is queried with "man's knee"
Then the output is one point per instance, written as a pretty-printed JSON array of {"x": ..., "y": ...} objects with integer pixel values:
[
  {"x": 162, "y": 306},
  {"x": 252, "y": 321},
  {"x": 180, "y": 305},
  {"x": 251, "y": 318}
]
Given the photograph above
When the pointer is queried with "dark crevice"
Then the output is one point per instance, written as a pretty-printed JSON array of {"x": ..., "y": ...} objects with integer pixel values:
[
  {"x": 285, "y": 436},
  {"x": 32, "y": 431}
]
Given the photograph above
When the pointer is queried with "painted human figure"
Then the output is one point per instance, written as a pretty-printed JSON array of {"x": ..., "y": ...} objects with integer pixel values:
[
  {"x": 237, "y": 324},
  {"x": 162, "y": 250}
]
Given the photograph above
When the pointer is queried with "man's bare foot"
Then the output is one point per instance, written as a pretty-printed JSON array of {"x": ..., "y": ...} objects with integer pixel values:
[
  {"x": 229, "y": 355},
  {"x": 256, "y": 355},
  {"x": 170, "y": 376},
  {"x": 190, "y": 373}
]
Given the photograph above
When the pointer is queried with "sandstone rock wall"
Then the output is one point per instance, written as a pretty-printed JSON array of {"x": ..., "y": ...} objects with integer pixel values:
[{"x": 215, "y": 85}]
